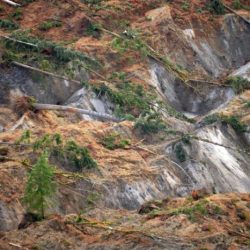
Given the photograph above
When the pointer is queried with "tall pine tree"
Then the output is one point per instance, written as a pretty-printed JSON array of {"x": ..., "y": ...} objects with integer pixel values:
[{"x": 40, "y": 186}]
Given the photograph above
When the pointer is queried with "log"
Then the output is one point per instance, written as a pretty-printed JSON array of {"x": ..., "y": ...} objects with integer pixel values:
[
  {"x": 234, "y": 12},
  {"x": 11, "y": 3},
  {"x": 18, "y": 41},
  {"x": 45, "y": 72},
  {"x": 39, "y": 106}
]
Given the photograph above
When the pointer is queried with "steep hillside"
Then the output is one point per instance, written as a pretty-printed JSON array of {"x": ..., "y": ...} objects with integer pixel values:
[{"x": 134, "y": 103}]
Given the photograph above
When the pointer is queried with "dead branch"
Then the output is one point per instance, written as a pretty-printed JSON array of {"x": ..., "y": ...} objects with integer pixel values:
[
  {"x": 39, "y": 106},
  {"x": 101, "y": 225},
  {"x": 18, "y": 124},
  {"x": 169, "y": 161}
]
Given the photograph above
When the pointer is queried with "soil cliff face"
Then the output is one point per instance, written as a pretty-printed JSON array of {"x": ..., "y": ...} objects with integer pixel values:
[{"x": 180, "y": 57}]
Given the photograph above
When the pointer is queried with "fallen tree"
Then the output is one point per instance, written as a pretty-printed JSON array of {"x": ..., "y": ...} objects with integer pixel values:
[
  {"x": 11, "y": 3},
  {"x": 39, "y": 106}
]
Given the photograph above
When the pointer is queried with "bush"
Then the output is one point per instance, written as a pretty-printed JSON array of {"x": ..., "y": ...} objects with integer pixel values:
[
  {"x": 236, "y": 124},
  {"x": 8, "y": 24},
  {"x": 114, "y": 141},
  {"x": 150, "y": 123},
  {"x": 180, "y": 153},
  {"x": 237, "y": 5},
  {"x": 238, "y": 83},
  {"x": 79, "y": 156},
  {"x": 69, "y": 152},
  {"x": 217, "y": 7},
  {"x": 47, "y": 25}
]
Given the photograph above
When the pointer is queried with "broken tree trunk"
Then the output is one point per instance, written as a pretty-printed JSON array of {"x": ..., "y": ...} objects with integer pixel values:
[
  {"x": 39, "y": 106},
  {"x": 11, "y": 3},
  {"x": 234, "y": 12},
  {"x": 45, "y": 72}
]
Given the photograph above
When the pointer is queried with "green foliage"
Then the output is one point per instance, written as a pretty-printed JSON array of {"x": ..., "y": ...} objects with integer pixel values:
[
  {"x": 235, "y": 123},
  {"x": 54, "y": 50},
  {"x": 186, "y": 5},
  {"x": 17, "y": 14},
  {"x": 49, "y": 24},
  {"x": 25, "y": 2},
  {"x": 238, "y": 83},
  {"x": 79, "y": 156},
  {"x": 198, "y": 209},
  {"x": 114, "y": 141},
  {"x": 180, "y": 153},
  {"x": 25, "y": 137},
  {"x": 93, "y": 29},
  {"x": 40, "y": 186},
  {"x": 68, "y": 152},
  {"x": 237, "y": 4},
  {"x": 150, "y": 123},
  {"x": 210, "y": 119},
  {"x": 129, "y": 98},
  {"x": 8, "y": 24},
  {"x": 217, "y": 7},
  {"x": 247, "y": 105},
  {"x": 92, "y": 2},
  {"x": 131, "y": 40}
]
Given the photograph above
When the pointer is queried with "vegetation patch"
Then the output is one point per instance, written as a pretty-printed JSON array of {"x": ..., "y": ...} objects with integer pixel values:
[
  {"x": 238, "y": 83},
  {"x": 49, "y": 24},
  {"x": 8, "y": 24},
  {"x": 150, "y": 123},
  {"x": 68, "y": 152},
  {"x": 232, "y": 120},
  {"x": 193, "y": 212},
  {"x": 114, "y": 141},
  {"x": 216, "y": 7},
  {"x": 180, "y": 152}
]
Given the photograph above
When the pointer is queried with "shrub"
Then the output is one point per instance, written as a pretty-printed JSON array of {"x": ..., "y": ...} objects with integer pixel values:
[
  {"x": 237, "y": 4},
  {"x": 236, "y": 124},
  {"x": 247, "y": 105},
  {"x": 150, "y": 123},
  {"x": 238, "y": 83},
  {"x": 56, "y": 51},
  {"x": 8, "y": 24},
  {"x": 40, "y": 186},
  {"x": 217, "y": 7},
  {"x": 49, "y": 24},
  {"x": 114, "y": 141},
  {"x": 17, "y": 14},
  {"x": 79, "y": 156},
  {"x": 128, "y": 98},
  {"x": 210, "y": 119},
  {"x": 180, "y": 153},
  {"x": 198, "y": 209},
  {"x": 69, "y": 152}
]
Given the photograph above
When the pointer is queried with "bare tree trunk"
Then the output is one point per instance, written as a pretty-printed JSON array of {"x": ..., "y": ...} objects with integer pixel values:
[
  {"x": 40, "y": 106},
  {"x": 234, "y": 12},
  {"x": 45, "y": 72},
  {"x": 11, "y": 3}
]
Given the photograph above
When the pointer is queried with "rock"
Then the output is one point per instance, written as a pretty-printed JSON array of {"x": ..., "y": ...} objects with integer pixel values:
[{"x": 27, "y": 220}]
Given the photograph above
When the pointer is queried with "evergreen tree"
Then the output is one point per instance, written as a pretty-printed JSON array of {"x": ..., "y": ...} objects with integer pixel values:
[{"x": 40, "y": 186}]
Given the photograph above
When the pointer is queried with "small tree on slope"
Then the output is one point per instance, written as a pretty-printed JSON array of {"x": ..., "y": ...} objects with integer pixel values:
[{"x": 40, "y": 186}]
